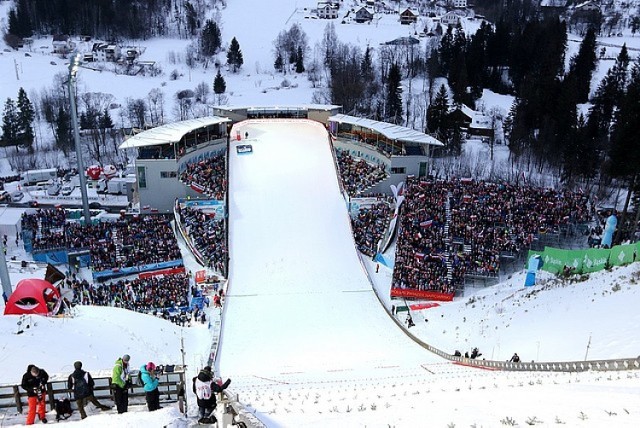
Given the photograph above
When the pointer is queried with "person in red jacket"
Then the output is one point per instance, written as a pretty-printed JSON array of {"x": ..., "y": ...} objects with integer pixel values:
[{"x": 34, "y": 381}]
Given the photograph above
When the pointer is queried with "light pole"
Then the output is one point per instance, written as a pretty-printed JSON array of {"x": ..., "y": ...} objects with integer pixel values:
[
  {"x": 4, "y": 271},
  {"x": 73, "y": 69}
]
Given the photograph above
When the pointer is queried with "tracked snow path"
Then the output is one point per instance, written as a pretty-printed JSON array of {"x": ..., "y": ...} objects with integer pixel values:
[{"x": 299, "y": 301}]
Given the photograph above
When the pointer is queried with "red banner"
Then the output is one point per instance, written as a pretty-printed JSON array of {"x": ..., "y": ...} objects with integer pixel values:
[
  {"x": 200, "y": 276},
  {"x": 421, "y": 294},
  {"x": 419, "y": 306},
  {"x": 171, "y": 271}
]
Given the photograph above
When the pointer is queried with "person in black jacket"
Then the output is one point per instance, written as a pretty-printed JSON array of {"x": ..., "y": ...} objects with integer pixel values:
[
  {"x": 206, "y": 389},
  {"x": 34, "y": 381},
  {"x": 82, "y": 385}
]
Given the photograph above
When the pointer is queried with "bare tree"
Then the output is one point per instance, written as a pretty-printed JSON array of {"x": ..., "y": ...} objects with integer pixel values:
[{"x": 156, "y": 106}]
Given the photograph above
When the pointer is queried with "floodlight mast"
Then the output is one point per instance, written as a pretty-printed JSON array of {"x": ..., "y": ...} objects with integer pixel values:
[{"x": 74, "y": 64}]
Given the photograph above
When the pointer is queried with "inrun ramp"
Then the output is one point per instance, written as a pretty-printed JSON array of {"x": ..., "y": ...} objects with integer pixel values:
[{"x": 299, "y": 300}]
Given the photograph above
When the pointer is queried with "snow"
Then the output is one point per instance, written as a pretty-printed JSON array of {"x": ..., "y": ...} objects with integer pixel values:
[{"x": 306, "y": 342}]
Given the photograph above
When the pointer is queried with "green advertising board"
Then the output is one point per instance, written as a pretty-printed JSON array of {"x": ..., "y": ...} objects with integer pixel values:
[
  {"x": 595, "y": 259},
  {"x": 638, "y": 251},
  {"x": 554, "y": 259},
  {"x": 574, "y": 259},
  {"x": 621, "y": 255}
]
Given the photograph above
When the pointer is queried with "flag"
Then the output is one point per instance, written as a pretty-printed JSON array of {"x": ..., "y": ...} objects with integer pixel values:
[
  {"x": 198, "y": 188},
  {"x": 427, "y": 223}
]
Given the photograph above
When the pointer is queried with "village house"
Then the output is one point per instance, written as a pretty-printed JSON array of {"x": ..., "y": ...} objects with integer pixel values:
[
  {"x": 450, "y": 18},
  {"x": 474, "y": 123},
  {"x": 62, "y": 44},
  {"x": 363, "y": 15},
  {"x": 327, "y": 10},
  {"x": 105, "y": 52},
  {"x": 408, "y": 17}
]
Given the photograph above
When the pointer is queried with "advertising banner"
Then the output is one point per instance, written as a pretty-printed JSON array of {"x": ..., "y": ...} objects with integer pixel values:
[
  {"x": 595, "y": 259},
  {"x": 575, "y": 259},
  {"x": 621, "y": 255},
  {"x": 200, "y": 276},
  {"x": 421, "y": 294},
  {"x": 554, "y": 259}
]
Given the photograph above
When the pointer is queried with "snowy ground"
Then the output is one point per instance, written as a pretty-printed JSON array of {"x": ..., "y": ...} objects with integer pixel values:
[{"x": 306, "y": 343}]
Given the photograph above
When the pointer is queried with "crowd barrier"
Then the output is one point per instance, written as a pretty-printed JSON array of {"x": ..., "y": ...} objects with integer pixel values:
[
  {"x": 171, "y": 383},
  {"x": 587, "y": 261},
  {"x": 134, "y": 270}
]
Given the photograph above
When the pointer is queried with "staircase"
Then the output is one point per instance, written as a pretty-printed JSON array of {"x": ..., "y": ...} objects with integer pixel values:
[{"x": 117, "y": 241}]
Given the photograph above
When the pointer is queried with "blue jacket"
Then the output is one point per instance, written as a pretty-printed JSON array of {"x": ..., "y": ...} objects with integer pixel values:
[{"x": 150, "y": 383}]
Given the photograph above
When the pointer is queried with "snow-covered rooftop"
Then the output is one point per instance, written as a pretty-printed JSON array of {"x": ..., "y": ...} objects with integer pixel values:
[
  {"x": 392, "y": 132},
  {"x": 171, "y": 133}
]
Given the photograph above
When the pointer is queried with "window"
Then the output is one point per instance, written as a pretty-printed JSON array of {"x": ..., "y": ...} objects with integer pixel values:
[
  {"x": 142, "y": 177},
  {"x": 168, "y": 174},
  {"x": 399, "y": 170}
]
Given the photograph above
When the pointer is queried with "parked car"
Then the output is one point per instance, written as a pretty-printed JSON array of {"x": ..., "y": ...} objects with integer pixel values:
[
  {"x": 17, "y": 196},
  {"x": 54, "y": 189},
  {"x": 67, "y": 189},
  {"x": 4, "y": 196}
]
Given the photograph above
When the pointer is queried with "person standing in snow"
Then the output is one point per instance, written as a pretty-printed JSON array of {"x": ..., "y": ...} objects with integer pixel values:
[
  {"x": 205, "y": 389},
  {"x": 150, "y": 380},
  {"x": 34, "y": 381},
  {"x": 121, "y": 381},
  {"x": 81, "y": 383}
]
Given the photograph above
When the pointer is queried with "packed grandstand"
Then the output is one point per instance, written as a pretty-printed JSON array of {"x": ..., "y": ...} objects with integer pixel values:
[{"x": 447, "y": 230}]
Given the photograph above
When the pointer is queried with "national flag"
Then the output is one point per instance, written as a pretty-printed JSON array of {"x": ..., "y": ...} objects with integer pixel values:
[
  {"x": 198, "y": 188},
  {"x": 427, "y": 223}
]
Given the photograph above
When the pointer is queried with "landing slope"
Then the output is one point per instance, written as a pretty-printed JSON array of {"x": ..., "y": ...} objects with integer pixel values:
[{"x": 299, "y": 300}]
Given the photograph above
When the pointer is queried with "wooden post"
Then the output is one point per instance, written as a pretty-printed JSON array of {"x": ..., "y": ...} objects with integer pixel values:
[
  {"x": 52, "y": 404},
  {"x": 16, "y": 396}
]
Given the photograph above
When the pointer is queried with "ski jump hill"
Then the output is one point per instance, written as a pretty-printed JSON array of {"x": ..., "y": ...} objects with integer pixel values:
[{"x": 299, "y": 301}]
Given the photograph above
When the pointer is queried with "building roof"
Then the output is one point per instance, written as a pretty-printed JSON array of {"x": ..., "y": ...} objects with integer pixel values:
[
  {"x": 171, "y": 133},
  {"x": 391, "y": 131},
  {"x": 299, "y": 107}
]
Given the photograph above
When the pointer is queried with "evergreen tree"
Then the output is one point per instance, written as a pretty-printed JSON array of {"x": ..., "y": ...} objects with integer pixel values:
[
  {"x": 234, "y": 56},
  {"x": 219, "y": 85},
  {"x": 394, "y": 94},
  {"x": 105, "y": 121},
  {"x": 20, "y": 21},
  {"x": 279, "y": 63},
  {"x": 437, "y": 113},
  {"x": 583, "y": 65},
  {"x": 625, "y": 144},
  {"x": 210, "y": 40},
  {"x": 26, "y": 116},
  {"x": 10, "y": 127},
  {"x": 191, "y": 17},
  {"x": 446, "y": 50},
  {"x": 299, "y": 61},
  {"x": 62, "y": 131}
]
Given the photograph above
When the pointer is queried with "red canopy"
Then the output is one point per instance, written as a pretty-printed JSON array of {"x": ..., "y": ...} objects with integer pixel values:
[{"x": 33, "y": 296}]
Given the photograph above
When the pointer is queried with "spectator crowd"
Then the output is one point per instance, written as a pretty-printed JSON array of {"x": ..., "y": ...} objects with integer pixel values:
[
  {"x": 125, "y": 242},
  {"x": 357, "y": 174},
  {"x": 208, "y": 175},
  {"x": 207, "y": 234},
  {"x": 369, "y": 226},
  {"x": 166, "y": 296},
  {"x": 450, "y": 229}
]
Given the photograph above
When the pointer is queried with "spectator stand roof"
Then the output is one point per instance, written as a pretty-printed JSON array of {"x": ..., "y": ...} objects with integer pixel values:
[
  {"x": 388, "y": 130},
  {"x": 170, "y": 133},
  {"x": 279, "y": 107}
]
